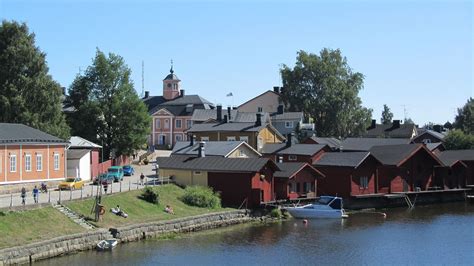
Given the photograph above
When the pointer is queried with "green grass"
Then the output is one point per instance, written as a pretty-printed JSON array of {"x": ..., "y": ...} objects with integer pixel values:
[
  {"x": 23, "y": 227},
  {"x": 139, "y": 210}
]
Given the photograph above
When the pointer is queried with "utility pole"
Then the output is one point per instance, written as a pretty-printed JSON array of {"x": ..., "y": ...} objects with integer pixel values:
[
  {"x": 143, "y": 79},
  {"x": 404, "y": 113}
]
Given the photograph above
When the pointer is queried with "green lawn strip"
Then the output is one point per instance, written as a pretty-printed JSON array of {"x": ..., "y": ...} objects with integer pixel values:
[
  {"x": 23, "y": 227},
  {"x": 138, "y": 210}
]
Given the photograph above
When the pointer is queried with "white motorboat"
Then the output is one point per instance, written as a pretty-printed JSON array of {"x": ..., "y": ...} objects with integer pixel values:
[
  {"x": 325, "y": 207},
  {"x": 108, "y": 244}
]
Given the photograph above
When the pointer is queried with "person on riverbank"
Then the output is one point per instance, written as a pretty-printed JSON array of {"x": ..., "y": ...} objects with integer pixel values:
[
  {"x": 142, "y": 177},
  {"x": 23, "y": 195},
  {"x": 169, "y": 209},
  {"x": 35, "y": 194}
]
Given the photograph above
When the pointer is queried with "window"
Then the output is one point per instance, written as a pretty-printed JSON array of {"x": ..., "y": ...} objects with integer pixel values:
[
  {"x": 426, "y": 141},
  {"x": 167, "y": 123},
  {"x": 241, "y": 153},
  {"x": 364, "y": 182},
  {"x": 197, "y": 172},
  {"x": 158, "y": 123},
  {"x": 259, "y": 109},
  {"x": 231, "y": 138},
  {"x": 244, "y": 138},
  {"x": 178, "y": 123},
  {"x": 289, "y": 124},
  {"x": 298, "y": 187},
  {"x": 291, "y": 187},
  {"x": 292, "y": 157},
  {"x": 39, "y": 162},
  {"x": 28, "y": 163},
  {"x": 178, "y": 138},
  {"x": 56, "y": 161},
  {"x": 12, "y": 163},
  {"x": 306, "y": 187},
  {"x": 203, "y": 138},
  {"x": 189, "y": 123}
]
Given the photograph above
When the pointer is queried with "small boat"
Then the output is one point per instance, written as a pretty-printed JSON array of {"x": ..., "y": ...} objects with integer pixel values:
[
  {"x": 108, "y": 244},
  {"x": 325, "y": 207}
]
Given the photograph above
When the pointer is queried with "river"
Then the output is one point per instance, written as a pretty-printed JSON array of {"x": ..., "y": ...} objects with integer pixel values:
[{"x": 426, "y": 235}]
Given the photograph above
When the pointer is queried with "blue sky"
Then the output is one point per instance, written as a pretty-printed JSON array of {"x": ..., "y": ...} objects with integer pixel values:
[{"x": 417, "y": 54}]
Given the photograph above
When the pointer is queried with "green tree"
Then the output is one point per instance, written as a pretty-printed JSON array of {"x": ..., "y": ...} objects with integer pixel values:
[
  {"x": 108, "y": 110},
  {"x": 458, "y": 140},
  {"x": 326, "y": 89},
  {"x": 448, "y": 125},
  {"x": 387, "y": 115},
  {"x": 408, "y": 120},
  {"x": 28, "y": 94},
  {"x": 465, "y": 118}
]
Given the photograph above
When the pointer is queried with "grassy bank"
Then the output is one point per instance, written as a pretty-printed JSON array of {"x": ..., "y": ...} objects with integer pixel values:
[
  {"x": 23, "y": 227},
  {"x": 138, "y": 210}
]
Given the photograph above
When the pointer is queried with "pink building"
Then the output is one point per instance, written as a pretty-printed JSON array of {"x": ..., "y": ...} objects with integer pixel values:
[{"x": 172, "y": 112}]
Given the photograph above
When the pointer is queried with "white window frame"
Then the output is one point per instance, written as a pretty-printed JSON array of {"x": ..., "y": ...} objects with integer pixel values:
[
  {"x": 176, "y": 138},
  {"x": 28, "y": 163},
  {"x": 12, "y": 163},
  {"x": 39, "y": 162},
  {"x": 244, "y": 138},
  {"x": 259, "y": 109},
  {"x": 189, "y": 123},
  {"x": 157, "y": 123},
  {"x": 364, "y": 182},
  {"x": 204, "y": 138},
  {"x": 292, "y": 157},
  {"x": 180, "y": 123},
  {"x": 289, "y": 124},
  {"x": 167, "y": 124},
  {"x": 56, "y": 161},
  {"x": 231, "y": 138}
]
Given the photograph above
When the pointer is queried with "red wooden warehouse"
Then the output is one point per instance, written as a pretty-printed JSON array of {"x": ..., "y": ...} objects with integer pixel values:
[{"x": 296, "y": 180}]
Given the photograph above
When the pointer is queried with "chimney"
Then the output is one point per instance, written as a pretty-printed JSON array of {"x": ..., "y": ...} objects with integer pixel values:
[
  {"x": 181, "y": 92},
  {"x": 147, "y": 94},
  {"x": 201, "y": 150},
  {"x": 234, "y": 108},
  {"x": 280, "y": 109},
  {"x": 228, "y": 113},
  {"x": 289, "y": 139},
  {"x": 373, "y": 124},
  {"x": 396, "y": 124},
  {"x": 258, "y": 122},
  {"x": 276, "y": 89},
  {"x": 225, "y": 118},
  {"x": 219, "y": 113}
]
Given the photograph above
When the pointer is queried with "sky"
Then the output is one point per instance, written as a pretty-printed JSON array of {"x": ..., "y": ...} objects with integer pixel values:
[{"x": 416, "y": 56}]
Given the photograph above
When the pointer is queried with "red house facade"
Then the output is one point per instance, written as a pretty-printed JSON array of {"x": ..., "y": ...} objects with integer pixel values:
[
  {"x": 347, "y": 174},
  {"x": 296, "y": 180}
]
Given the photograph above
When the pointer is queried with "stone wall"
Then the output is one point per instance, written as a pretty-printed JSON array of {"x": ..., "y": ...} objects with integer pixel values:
[{"x": 84, "y": 241}]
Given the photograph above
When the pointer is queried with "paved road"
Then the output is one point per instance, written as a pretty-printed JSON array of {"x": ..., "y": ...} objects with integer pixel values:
[{"x": 89, "y": 190}]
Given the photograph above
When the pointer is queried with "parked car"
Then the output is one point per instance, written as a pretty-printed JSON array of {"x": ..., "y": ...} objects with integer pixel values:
[
  {"x": 116, "y": 172},
  {"x": 128, "y": 170},
  {"x": 103, "y": 178},
  {"x": 71, "y": 183}
]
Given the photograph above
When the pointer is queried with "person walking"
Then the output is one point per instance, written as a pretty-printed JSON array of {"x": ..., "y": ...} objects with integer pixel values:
[
  {"x": 106, "y": 186},
  {"x": 23, "y": 195},
  {"x": 35, "y": 194},
  {"x": 142, "y": 177}
]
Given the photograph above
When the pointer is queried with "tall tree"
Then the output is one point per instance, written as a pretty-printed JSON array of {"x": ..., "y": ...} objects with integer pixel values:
[
  {"x": 326, "y": 89},
  {"x": 408, "y": 120},
  {"x": 387, "y": 115},
  {"x": 108, "y": 109},
  {"x": 458, "y": 140},
  {"x": 28, "y": 94},
  {"x": 465, "y": 118}
]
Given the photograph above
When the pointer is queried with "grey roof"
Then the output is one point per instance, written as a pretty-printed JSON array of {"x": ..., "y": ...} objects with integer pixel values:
[
  {"x": 288, "y": 116},
  {"x": 381, "y": 130},
  {"x": 258, "y": 96},
  {"x": 214, "y": 164},
  {"x": 171, "y": 76},
  {"x": 452, "y": 156},
  {"x": 397, "y": 154},
  {"x": 78, "y": 142},
  {"x": 211, "y": 148},
  {"x": 434, "y": 146},
  {"x": 18, "y": 133},
  {"x": 272, "y": 148},
  {"x": 152, "y": 101},
  {"x": 287, "y": 170},
  {"x": 333, "y": 143},
  {"x": 302, "y": 149},
  {"x": 241, "y": 127},
  {"x": 344, "y": 159},
  {"x": 365, "y": 144},
  {"x": 76, "y": 154},
  {"x": 181, "y": 106},
  {"x": 202, "y": 115},
  {"x": 187, "y": 99},
  {"x": 433, "y": 133}
]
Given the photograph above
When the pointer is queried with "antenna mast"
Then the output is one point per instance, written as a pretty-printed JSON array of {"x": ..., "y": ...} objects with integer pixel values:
[{"x": 143, "y": 79}]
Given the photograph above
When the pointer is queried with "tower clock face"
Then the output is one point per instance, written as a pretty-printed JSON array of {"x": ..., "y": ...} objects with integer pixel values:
[{"x": 169, "y": 85}]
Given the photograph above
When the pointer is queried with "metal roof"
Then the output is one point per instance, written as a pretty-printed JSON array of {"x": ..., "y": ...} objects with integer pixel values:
[
  {"x": 365, "y": 144},
  {"x": 288, "y": 170},
  {"x": 11, "y": 133},
  {"x": 452, "y": 156},
  {"x": 344, "y": 159},
  {"x": 212, "y": 148},
  {"x": 397, "y": 154},
  {"x": 381, "y": 130},
  {"x": 302, "y": 149},
  {"x": 333, "y": 143},
  {"x": 288, "y": 116},
  {"x": 78, "y": 142},
  {"x": 77, "y": 154}
]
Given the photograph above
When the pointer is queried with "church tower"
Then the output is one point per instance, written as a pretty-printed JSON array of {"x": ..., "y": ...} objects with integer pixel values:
[{"x": 171, "y": 85}]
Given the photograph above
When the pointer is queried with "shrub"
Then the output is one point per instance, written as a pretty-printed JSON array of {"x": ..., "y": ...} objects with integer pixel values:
[
  {"x": 145, "y": 161},
  {"x": 201, "y": 196},
  {"x": 276, "y": 213},
  {"x": 150, "y": 195}
]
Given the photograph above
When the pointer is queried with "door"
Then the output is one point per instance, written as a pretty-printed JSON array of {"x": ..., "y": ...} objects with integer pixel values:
[{"x": 162, "y": 140}]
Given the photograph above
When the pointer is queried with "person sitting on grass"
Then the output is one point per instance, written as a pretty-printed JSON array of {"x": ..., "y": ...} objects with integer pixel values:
[{"x": 169, "y": 209}]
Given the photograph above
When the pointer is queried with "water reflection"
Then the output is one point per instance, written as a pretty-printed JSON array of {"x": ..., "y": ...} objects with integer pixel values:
[{"x": 437, "y": 234}]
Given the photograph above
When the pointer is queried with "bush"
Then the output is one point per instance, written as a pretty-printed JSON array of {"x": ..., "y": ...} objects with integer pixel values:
[
  {"x": 145, "y": 161},
  {"x": 276, "y": 213},
  {"x": 150, "y": 195},
  {"x": 201, "y": 196}
]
